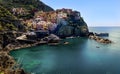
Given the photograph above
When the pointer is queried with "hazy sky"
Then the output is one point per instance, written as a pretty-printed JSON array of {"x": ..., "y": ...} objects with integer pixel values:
[{"x": 94, "y": 12}]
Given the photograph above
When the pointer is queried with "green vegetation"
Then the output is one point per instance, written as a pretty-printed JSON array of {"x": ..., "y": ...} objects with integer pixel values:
[
  {"x": 29, "y": 5},
  {"x": 6, "y": 20},
  {"x": 10, "y": 21}
]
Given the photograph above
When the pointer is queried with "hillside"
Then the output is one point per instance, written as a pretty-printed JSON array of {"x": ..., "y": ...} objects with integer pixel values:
[
  {"x": 25, "y": 9},
  {"x": 8, "y": 21},
  {"x": 28, "y": 4}
]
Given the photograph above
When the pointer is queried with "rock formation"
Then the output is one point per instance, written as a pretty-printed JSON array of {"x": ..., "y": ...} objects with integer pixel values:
[
  {"x": 78, "y": 28},
  {"x": 100, "y": 39},
  {"x": 8, "y": 65}
]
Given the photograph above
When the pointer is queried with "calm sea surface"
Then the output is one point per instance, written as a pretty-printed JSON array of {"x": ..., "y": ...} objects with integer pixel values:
[{"x": 80, "y": 56}]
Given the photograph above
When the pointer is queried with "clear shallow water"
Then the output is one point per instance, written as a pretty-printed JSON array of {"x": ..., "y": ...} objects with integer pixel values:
[{"x": 79, "y": 57}]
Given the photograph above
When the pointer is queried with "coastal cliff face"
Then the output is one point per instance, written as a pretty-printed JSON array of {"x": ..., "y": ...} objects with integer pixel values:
[{"x": 73, "y": 28}]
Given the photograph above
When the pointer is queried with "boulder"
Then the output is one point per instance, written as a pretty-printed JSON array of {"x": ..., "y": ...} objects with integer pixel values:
[{"x": 51, "y": 39}]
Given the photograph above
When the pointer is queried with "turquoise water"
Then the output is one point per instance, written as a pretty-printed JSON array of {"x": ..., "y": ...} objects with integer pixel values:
[{"x": 80, "y": 56}]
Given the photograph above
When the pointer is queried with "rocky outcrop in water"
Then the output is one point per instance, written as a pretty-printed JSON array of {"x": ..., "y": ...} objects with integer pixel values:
[
  {"x": 51, "y": 39},
  {"x": 100, "y": 39}
]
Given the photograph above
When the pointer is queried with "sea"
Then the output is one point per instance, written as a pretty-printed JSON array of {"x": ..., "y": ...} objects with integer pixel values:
[{"x": 80, "y": 56}]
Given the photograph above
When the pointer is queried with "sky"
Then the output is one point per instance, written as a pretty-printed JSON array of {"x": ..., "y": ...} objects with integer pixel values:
[{"x": 94, "y": 12}]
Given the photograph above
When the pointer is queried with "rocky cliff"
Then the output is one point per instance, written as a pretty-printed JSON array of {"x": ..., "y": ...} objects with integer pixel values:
[
  {"x": 73, "y": 28},
  {"x": 71, "y": 24}
]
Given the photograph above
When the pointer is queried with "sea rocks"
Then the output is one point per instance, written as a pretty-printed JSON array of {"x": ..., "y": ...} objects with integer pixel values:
[
  {"x": 51, "y": 39},
  {"x": 99, "y": 39}
]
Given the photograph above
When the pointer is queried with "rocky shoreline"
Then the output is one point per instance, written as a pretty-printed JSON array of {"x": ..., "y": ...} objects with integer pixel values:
[
  {"x": 24, "y": 43},
  {"x": 50, "y": 40},
  {"x": 8, "y": 65},
  {"x": 96, "y": 37},
  {"x": 9, "y": 41}
]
